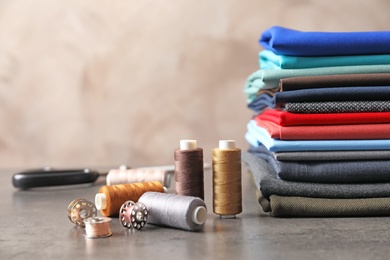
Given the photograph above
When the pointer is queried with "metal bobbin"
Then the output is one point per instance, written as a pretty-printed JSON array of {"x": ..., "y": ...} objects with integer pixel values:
[
  {"x": 133, "y": 215},
  {"x": 97, "y": 227},
  {"x": 80, "y": 209}
]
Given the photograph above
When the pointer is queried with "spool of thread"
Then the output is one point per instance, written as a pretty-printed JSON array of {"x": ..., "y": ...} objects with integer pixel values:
[
  {"x": 189, "y": 169},
  {"x": 110, "y": 198},
  {"x": 123, "y": 176},
  {"x": 97, "y": 227},
  {"x": 80, "y": 209},
  {"x": 133, "y": 215},
  {"x": 227, "y": 193},
  {"x": 177, "y": 211}
]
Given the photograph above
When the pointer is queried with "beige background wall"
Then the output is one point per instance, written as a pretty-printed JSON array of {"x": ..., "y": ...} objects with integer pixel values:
[{"x": 101, "y": 83}]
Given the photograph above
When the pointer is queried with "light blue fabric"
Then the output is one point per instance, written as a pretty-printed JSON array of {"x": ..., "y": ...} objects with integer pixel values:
[
  {"x": 269, "y": 79},
  {"x": 274, "y": 145},
  {"x": 270, "y": 60}
]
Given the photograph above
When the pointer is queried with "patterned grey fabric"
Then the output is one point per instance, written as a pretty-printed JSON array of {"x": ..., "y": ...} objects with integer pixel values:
[{"x": 338, "y": 107}]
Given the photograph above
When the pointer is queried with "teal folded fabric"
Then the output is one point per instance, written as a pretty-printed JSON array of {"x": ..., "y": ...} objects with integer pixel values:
[
  {"x": 257, "y": 135},
  {"x": 269, "y": 79},
  {"x": 270, "y": 60}
]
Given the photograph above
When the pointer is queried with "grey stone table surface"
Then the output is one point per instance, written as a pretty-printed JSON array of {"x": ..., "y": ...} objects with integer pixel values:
[{"x": 34, "y": 225}]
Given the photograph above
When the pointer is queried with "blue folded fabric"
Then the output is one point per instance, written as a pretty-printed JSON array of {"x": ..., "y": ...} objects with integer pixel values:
[
  {"x": 269, "y": 79},
  {"x": 270, "y": 60},
  {"x": 285, "y": 41},
  {"x": 374, "y": 93},
  {"x": 257, "y": 135}
]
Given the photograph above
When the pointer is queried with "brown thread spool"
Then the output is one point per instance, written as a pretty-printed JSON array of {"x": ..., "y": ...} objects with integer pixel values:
[
  {"x": 227, "y": 193},
  {"x": 189, "y": 169},
  {"x": 110, "y": 198}
]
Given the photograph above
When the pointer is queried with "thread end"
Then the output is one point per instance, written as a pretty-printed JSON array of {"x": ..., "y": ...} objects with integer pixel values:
[
  {"x": 227, "y": 144},
  {"x": 188, "y": 144},
  {"x": 199, "y": 215},
  {"x": 101, "y": 201},
  {"x": 227, "y": 216}
]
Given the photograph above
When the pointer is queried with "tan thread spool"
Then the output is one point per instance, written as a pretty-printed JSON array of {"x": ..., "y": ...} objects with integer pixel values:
[
  {"x": 227, "y": 191},
  {"x": 110, "y": 198}
]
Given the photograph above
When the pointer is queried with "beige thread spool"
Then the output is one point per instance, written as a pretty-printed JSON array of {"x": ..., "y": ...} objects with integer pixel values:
[{"x": 97, "y": 227}]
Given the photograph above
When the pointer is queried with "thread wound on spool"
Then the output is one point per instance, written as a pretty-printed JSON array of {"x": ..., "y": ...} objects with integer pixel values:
[
  {"x": 97, "y": 227},
  {"x": 227, "y": 193},
  {"x": 177, "y": 211},
  {"x": 116, "y": 195},
  {"x": 117, "y": 176},
  {"x": 189, "y": 172}
]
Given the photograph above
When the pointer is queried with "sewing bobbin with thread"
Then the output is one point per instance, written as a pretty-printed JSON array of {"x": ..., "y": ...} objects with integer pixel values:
[
  {"x": 109, "y": 199},
  {"x": 177, "y": 211},
  {"x": 189, "y": 169},
  {"x": 133, "y": 214},
  {"x": 227, "y": 191},
  {"x": 97, "y": 227},
  {"x": 80, "y": 209}
]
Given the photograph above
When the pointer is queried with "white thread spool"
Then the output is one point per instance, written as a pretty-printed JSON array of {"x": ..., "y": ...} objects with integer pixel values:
[
  {"x": 177, "y": 211},
  {"x": 97, "y": 227},
  {"x": 123, "y": 176}
]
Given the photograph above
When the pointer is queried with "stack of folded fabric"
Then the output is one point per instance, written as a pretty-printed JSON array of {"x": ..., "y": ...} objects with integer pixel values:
[{"x": 320, "y": 137}]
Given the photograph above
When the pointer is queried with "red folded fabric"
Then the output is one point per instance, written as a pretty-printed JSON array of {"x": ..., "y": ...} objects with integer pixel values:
[
  {"x": 284, "y": 118},
  {"x": 326, "y": 132}
]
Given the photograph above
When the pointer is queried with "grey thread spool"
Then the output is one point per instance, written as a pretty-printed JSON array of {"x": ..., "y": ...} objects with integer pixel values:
[
  {"x": 177, "y": 211},
  {"x": 189, "y": 169}
]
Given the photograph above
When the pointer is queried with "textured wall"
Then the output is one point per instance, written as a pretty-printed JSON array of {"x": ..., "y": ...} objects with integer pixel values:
[{"x": 100, "y": 83}]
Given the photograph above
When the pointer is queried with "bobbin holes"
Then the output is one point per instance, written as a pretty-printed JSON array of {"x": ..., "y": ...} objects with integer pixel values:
[
  {"x": 80, "y": 209},
  {"x": 133, "y": 215}
]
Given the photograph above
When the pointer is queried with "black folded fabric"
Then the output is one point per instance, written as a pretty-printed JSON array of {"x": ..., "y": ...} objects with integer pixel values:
[
  {"x": 268, "y": 182},
  {"x": 332, "y": 81},
  {"x": 281, "y": 206},
  {"x": 337, "y": 107}
]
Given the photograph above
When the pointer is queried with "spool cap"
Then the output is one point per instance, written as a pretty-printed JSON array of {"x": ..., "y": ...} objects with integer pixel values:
[
  {"x": 199, "y": 215},
  {"x": 227, "y": 144},
  {"x": 188, "y": 144},
  {"x": 101, "y": 201}
]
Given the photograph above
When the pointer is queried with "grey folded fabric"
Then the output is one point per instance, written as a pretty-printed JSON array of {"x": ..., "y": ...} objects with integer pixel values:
[
  {"x": 281, "y": 206},
  {"x": 332, "y": 155},
  {"x": 363, "y": 171},
  {"x": 268, "y": 182},
  {"x": 357, "y": 171},
  {"x": 338, "y": 107}
]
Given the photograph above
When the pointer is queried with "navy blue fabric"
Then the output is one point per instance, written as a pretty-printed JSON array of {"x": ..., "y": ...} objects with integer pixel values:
[
  {"x": 333, "y": 94},
  {"x": 285, "y": 41}
]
